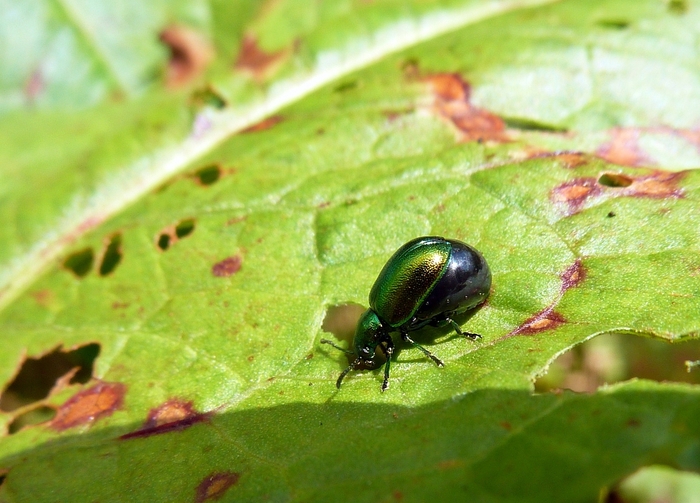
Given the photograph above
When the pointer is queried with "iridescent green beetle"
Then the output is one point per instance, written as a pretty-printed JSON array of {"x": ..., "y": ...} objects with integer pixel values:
[{"x": 428, "y": 281}]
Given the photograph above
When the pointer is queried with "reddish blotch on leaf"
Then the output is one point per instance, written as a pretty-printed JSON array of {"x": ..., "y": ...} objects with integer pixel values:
[
  {"x": 90, "y": 405},
  {"x": 190, "y": 54},
  {"x": 227, "y": 267},
  {"x": 215, "y": 485},
  {"x": 452, "y": 103},
  {"x": 256, "y": 62},
  {"x": 173, "y": 415},
  {"x": 572, "y": 195}
]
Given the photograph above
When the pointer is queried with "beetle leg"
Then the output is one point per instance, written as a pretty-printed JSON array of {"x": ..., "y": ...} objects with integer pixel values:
[
  {"x": 352, "y": 366},
  {"x": 427, "y": 353},
  {"x": 459, "y": 330},
  {"x": 346, "y": 351},
  {"x": 388, "y": 351}
]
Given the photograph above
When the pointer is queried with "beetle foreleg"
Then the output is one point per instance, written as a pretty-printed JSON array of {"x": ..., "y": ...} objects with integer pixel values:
[
  {"x": 388, "y": 352},
  {"x": 342, "y": 375}
]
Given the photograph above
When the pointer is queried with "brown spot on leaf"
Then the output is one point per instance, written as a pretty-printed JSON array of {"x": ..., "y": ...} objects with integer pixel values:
[
  {"x": 657, "y": 184},
  {"x": 90, "y": 405},
  {"x": 449, "y": 87},
  {"x": 215, "y": 485},
  {"x": 450, "y": 464},
  {"x": 633, "y": 423},
  {"x": 623, "y": 148},
  {"x": 573, "y": 276},
  {"x": 545, "y": 320},
  {"x": 574, "y": 193},
  {"x": 43, "y": 297},
  {"x": 173, "y": 415},
  {"x": 569, "y": 159},
  {"x": 227, "y": 267},
  {"x": 190, "y": 54},
  {"x": 256, "y": 62},
  {"x": 264, "y": 124},
  {"x": 506, "y": 425},
  {"x": 236, "y": 220},
  {"x": 171, "y": 411},
  {"x": 452, "y": 95},
  {"x": 548, "y": 318},
  {"x": 392, "y": 115}
]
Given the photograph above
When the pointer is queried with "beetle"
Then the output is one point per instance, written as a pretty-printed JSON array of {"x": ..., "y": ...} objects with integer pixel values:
[{"x": 428, "y": 281}]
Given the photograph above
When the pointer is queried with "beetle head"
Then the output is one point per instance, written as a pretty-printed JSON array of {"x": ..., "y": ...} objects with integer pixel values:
[{"x": 370, "y": 332}]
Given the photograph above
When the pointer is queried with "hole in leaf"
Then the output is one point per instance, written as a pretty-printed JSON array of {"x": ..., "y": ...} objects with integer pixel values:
[
  {"x": 208, "y": 175},
  {"x": 618, "y": 357},
  {"x": 533, "y": 125},
  {"x": 345, "y": 86},
  {"x": 112, "y": 255},
  {"x": 164, "y": 241},
  {"x": 32, "y": 417},
  {"x": 172, "y": 234},
  {"x": 678, "y": 6},
  {"x": 615, "y": 180},
  {"x": 208, "y": 97},
  {"x": 80, "y": 262},
  {"x": 38, "y": 376},
  {"x": 3, "y": 476},
  {"x": 184, "y": 228},
  {"x": 655, "y": 484},
  {"x": 614, "y": 24},
  {"x": 410, "y": 68},
  {"x": 341, "y": 320}
]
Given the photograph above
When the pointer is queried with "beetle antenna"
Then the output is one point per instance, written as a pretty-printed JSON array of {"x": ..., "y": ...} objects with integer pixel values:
[
  {"x": 352, "y": 366},
  {"x": 331, "y": 343}
]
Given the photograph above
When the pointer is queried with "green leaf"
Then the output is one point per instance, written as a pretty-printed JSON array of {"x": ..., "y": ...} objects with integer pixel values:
[{"x": 188, "y": 256}]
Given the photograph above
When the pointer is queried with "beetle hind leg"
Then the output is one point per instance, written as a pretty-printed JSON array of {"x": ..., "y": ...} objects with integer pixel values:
[
  {"x": 468, "y": 335},
  {"x": 427, "y": 353}
]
